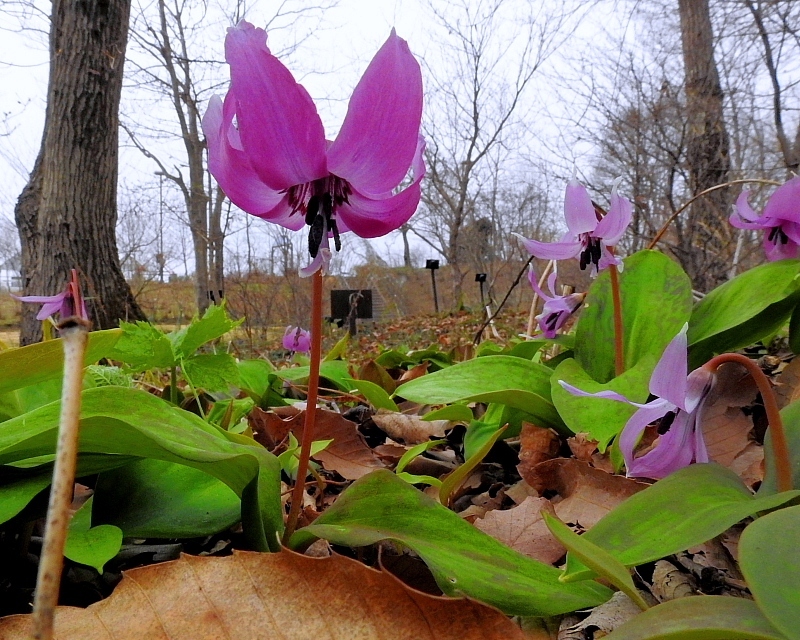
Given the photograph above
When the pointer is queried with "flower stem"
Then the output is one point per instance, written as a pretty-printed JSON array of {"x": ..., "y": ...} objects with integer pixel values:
[
  {"x": 311, "y": 406},
  {"x": 74, "y": 332},
  {"x": 780, "y": 447},
  {"x": 619, "y": 352}
]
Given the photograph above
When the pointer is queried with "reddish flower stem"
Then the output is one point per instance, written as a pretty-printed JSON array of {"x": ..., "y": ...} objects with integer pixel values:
[
  {"x": 780, "y": 447},
  {"x": 311, "y": 406},
  {"x": 619, "y": 350}
]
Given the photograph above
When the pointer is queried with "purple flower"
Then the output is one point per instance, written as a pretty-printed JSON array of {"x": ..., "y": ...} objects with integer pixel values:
[
  {"x": 556, "y": 309},
  {"x": 267, "y": 146},
  {"x": 780, "y": 220},
  {"x": 589, "y": 235},
  {"x": 297, "y": 339},
  {"x": 62, "y": 303},
  {"x": 679, "y": 407}
]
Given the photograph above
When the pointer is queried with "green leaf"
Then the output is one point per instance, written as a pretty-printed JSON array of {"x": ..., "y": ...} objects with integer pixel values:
[
  {"x": 656, "y": 302},
  {"x": 212, "y": 372},
  {"x": 255, "y": 377},
  {"x": 478, "y": 434},
  {"x": 464, "y": 560},
  {"x": 214, "y": 324},
  {"x": 453, "y": 412},
  {"x": 507, "y": 380},
  {"x": 597, "y": 559},
  {"x": 15, "y": 495},
  {"x": 336, "y": 371},
  {"x": 143, "y": 346},
  {"x": 339, "y": 349},
  {"x": 685, "y": 509},
  {"x": 375, "y": 395},
  {"x": 157, "y": 499},
  {"x": 743, "y": 310},
  {"x": 36, "y": 363},
  {"x": 699, "y": 618},
  {"x": 92, "y": 546},
  {"x": 457, "y": 476},
  {"x": 415, "y": 451},
  {"x": 222, "y": 411},
  {"x": 126, "y": 422},
  {"x": 103, "y": 376},
  {"x": 767, "y": 558},
  {"x": 601, "y": 418}
]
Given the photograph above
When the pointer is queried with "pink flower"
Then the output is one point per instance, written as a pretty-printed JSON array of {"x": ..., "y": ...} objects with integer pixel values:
[
  {"x": 589, "y": 236},
  {"x": 267, "y": 146},
  {"x": 780, "y": 220},
  {"x": 62, "y": 303},
  {"x": 678, "y": 406},
  {"x": 297, "y": 339},
  {"x": 556, "y": 309}
]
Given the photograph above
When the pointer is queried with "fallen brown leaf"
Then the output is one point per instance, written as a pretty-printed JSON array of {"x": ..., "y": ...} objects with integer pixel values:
[
  {"x": 269, "y": 595},
  {"x": 536, "y": 445},
  {"x": 787, "y": 384},
  {"x": 582, "y": 446},
  {"x": 414, "y": 372},
  {"x": 373, "y": 372},
  {"x": 348, "y": 454},
  {"x": 409, "y": 429}
]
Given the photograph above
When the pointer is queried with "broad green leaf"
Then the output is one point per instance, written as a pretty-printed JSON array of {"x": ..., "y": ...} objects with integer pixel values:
[
  {"x": 596, "y": 558},
  {"x": 214, "y": 324},
  {"x": 143, "y": 346},
  {"x": 744, "y": 310},
  {"x": 478, "y": 434},
  {"x": 415, "y": 451},
  {"x": 527, "y": 349},
  {"x": 453, "y": 412},
  {"x": 699, "y": 618},
  {"x": 126, "y": 422},
  {"x": 790, "y": 415},
  {"x": 36, "y": 363},
  {"x": 336, "y": 371},
  {"x": 375, "y": 395},
  {"x": 157, "y": 499},
  {"x": 507, "y": 380},
  {"x": 464, "y": 560},
  {"x": 255, "y": 377},
  {"x": 656, "y": 302},
  {"x": 685, "y": 509},
  {"x": 15, "y": 495},
  {"x": 230, "y": 412},
  {"x": 393, "y": 358},
  {"x": 92, "y": 546},
  {"x": 339, "y": 349},
  {"x": 601, "y": 418},
  {"x": 768, "y": 560},
  {"x": 212, "y": 372}
]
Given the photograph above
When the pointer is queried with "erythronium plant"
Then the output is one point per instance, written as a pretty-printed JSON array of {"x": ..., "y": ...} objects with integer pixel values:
[
  {"x": 591, "y": 236},
  {"x": 678, "y": 407},
  {"x": 556, "y": 309},
  {"x": 780, "y": 220},
  {"x": 267, "y": 150},
  {"x": 297, "y": 339},
  {"x": 65, "y": 304}
]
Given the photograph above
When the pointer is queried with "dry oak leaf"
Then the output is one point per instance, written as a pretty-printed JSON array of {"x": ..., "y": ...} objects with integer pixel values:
[
  {"x": 409, "y": 429},
  {"x": 787, "y": 385},
  {"x": 256, "y": 596},
  {"x": 536, "y": 444},
  {"x": 348, "y": 454}
]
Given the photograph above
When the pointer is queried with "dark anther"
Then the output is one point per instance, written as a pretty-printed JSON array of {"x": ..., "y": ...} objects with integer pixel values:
[
  {"x": 312, "y": 210},
  {"x": 778, "y": 235},
  {"x": 666, "y": 422},
  {"x": 315, "y": 234},
  {"x": 551, "y": 320},
  {"x": 337, "y": 241}
]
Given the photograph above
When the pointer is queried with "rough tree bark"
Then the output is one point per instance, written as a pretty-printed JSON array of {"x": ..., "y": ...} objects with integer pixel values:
[
  {"x": 706, "y": 249},
  {"x": 67, "y": 213}
]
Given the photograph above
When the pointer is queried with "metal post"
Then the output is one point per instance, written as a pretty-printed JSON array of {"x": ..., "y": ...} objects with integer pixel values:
[
  {"x": 433, "y": 265},
  {"x": 480, "y": 278}
]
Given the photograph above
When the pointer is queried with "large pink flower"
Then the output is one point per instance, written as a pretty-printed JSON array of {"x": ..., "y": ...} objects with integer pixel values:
[
  {"x": 780, "y": 220},
  {"x": 267, "y": 146}
]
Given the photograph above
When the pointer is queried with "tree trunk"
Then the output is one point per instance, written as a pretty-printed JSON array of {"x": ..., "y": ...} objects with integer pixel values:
[
  {"x": 705, "y": 253},
  {"x": 67, "y": 213}
]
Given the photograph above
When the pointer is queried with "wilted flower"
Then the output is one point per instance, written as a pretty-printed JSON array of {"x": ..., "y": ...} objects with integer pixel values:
[
  {"x": 679, "y": 407},
  {"x": 62, "y": 303},
  {"x": 780, "y": 220},
  {"x": 556, "y": 309},
  {"x": 589, "y": 235},
  {"x": 296, "y": 339},
  {"x": 267, "y": 146}
]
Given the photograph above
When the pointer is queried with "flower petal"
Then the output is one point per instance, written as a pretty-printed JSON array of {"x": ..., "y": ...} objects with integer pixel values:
[
  {"x": 280, "y": 129},
  {"x": 744, "y": 209},
  {"x": 780, "y": 250},
  {"x": 608, "y": 395},
  {"x": 578, "y": 209},
  {"x": 369, "y": 217},
  {"x": 551, "y": 250},
  {"x": 674, "y": 450},
  {"x": 669, "y": 376},
  {"x": 629, "y": 437},
  {"x": 378, "y": 139},
  {"x": 615, "y": 223},
  {"x": 233, "y": 172},
  {"x": 784, "y": 204},
  {"x": 535, "y": 284}
]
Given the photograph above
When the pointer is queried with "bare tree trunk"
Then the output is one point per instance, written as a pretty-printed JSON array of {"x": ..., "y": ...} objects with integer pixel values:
[
  {"x": 706, "y": 255},
  {"x": 67, "y": 213},
  {"x": 216, "y": 246}
]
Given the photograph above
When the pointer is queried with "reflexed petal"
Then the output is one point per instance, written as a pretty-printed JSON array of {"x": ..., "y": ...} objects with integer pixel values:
[
  {"x": 50, "y": 304},
  {"x": 629, "y": 437},
  {"x": 615, "y": 223},
  {"x": 744, "y": 209},
  {"x": 779, "y": 250},
  {"x": 378, "y": 138},
  {"x": 232, "y": 169},
  {"x": 674, "y": 450},
  {"x": 784, "y": 204},
  {"x": 578, "y": 210},
  {"x": 321, "y": 261},
  {"x": 535, "y": 284},
  {"x": 608, "y": 395},
  {"x": 698, "y": 384},
  {"x": 607, "y": 259},
  {"x": 669, "y": 377},
  {"x": 792, "y": 231},
  {"x": 700, "y": 450},
  {"x": 551, "y": 250},
  {"x": 279, "y": 125}
]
